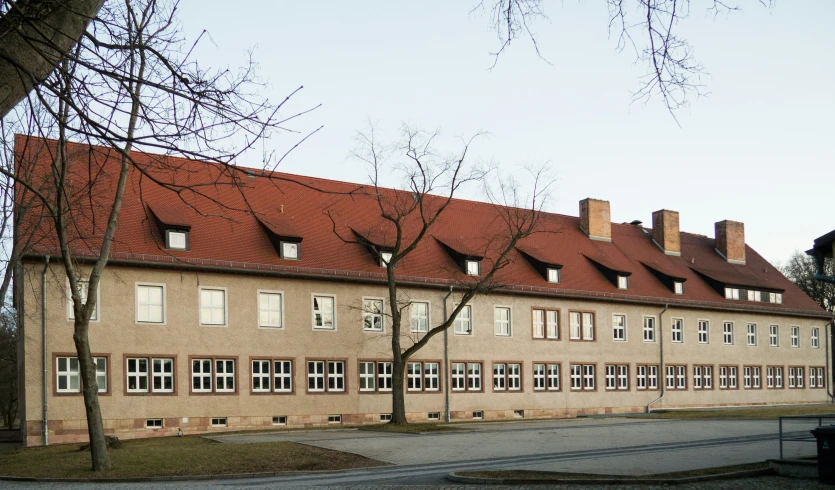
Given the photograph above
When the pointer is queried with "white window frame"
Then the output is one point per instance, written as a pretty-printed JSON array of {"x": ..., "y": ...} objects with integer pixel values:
[
  {"x": 226, "y": 375},
  {"x": 464, "y": 321},
  {"x": 162, "y": 375},
  {"x": 815, "y": 338},
  {"x": 774, "y": 335},
  {"x": 757, "y": 296},
  {"x": 137, "y": 304},
  {"x": 728, "y": 334},
  {"x": 385, "y": 258},
  {"x": 623, "y": 282},
  {"x": 384, "y": 370},
  {"x": 370, "y": 314},
  {"x": 475, "y": 376},
  {"x": 138, "y": 375},
  {"x": 677, "y": 330},
  {"x": 795, "y": 336},
  {"x": 261, "y": 375},
  {"x": 650, "y": 331},
  {"x": 270, "y": 326},
  {"x": 313, "y": 311},
  {"x": 96, "y": 316},
  {"x": 704, "y": 331},
  {"x": 367, "y": 380},
  {"x": 618, "y": 328},
  {"x": 678, "y": 287},
  {"x": 414, "y": 376},
  {"x": 278, "y": 387},
  {"x": 539, "y": 378},
  {"x": 225, "y": 306},
  {"x": 336, "y": 376},
  {"x": 472, "y": 267},
  {"x": 431, "y": 380},
  {"x": 732, "y": 293},
  {"x": 553, "y": 275},
  {"x": 413, "y": 318},
  {"x": 498, "y": 323},
  {"x": 458, "y": 376},
  {"x": 202, "y": 375},
  {"x": 284, "y": 256},
  {"x": 752, "y": 334}
]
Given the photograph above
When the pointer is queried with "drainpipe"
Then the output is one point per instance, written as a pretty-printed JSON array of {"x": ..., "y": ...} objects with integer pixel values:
[
  {"x": 446, "y": 360},
  {"x": 662, "y": 376},
  {"x": 43, "y": 349}
]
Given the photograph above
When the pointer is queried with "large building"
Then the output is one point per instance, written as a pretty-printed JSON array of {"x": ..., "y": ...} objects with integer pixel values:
[{"x": 238, "y": 303}]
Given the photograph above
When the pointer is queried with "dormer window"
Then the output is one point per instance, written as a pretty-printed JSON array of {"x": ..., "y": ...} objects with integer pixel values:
[
  {"x": 553, "y": 275},
  {"x": 775, "y": 298},
  {"x": 385, "y": 258},
  {"x": 731, "y": 293},
  {"x": 290, "y": 250},
  {"x": 176, "y": 240},
  {"x": 473, "y": 267},
  {"x": 678, "y": 287},
  {"x": 754, "y": 296},
  {"x": 623, "y": 282}
]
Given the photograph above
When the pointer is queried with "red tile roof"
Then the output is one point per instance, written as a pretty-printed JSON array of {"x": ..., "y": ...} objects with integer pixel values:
[{"x": 225, "y": 207}]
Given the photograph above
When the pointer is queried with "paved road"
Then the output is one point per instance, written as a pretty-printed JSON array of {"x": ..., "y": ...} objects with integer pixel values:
[{"x": 606, "y": 446}]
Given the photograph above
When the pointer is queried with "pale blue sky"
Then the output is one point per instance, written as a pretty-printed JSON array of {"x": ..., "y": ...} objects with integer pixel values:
[{"x": 759, "y": 149}]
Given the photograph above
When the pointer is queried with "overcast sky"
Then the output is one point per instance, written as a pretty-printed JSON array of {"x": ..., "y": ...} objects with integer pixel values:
[{"x": 760, "y": 148}]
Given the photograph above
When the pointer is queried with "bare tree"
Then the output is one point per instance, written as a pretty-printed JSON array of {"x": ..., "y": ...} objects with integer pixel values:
[
  {"x": 129, "y": 87},
  {"x": 35, "y": 35},
  {"x": 408, "y": 217},
  {"x": 8, "y": 368},
  {"x": 801, "y": 269},
  {"x": 650, "y": 28}
]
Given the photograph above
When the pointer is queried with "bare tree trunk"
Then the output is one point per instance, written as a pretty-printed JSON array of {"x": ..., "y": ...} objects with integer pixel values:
[
  {"x": 398, "y": 399},
  {"x": 95, "y": 426},
  {"x": 34, "y": 36}
]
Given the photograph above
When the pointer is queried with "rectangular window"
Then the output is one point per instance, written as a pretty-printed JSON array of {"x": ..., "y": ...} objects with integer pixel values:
[
  {"x": 499, "y": 377},
  {"x": 464, "y": 321},
  {"x": 137, "y": 373},
  {"x": 728, "y": 333},
  {"x": 224, "y": 375},
  {"x": 619, "y": 327},
  {"x": 324, "y": 316},
  {"x": 431, "y": 376},
  {"x": 778, "y": 377},
  {"x": 796, "y": 377},
  {"x": 752, "y": 334},
  {"x": 68, "y": 373},
  {"x": 414, "y": 376},
  {"x": 538, "y": 376},
  {"x": 731, "y": 293},
  {"x": 150, "y": 303},
  {"x": 162, "y": 375},
  {"x": 458, "y": 374},
  {"x": 83, "y": 287},
  {"x": 816, "y": 343},
  {"x": 757, "y": 377},
  {"x": 419, "y": 317},
  {"x": 423, "y": 376},
  {"x": 201, "y": 375},
  {"x": 473, "y": 376},
  {"x": 678, "y": 330},
  {"x": 704, "y": 332},
  {"x": 261, "y": 377},
  {"x": 649, "y": 329},
  {"x": 754, "y": 296},
  {"x": 583, "y": 377},
  {"x": 473, "y": 267},
  {"x": 280, "y": 420},
  {"x": 212, "y": 306},
  {"x": 176, "y": 240},
  {"x": 507, "y": 376},
  {"x": 678, "y": 287},
  {"x": 270, "y": 305},
  {"x": 816, "y": 377},
  {"x": 501, "y": 318},
  {"x": 368, "y": 376},
  {"x": 617, "y": 377},
  {"x": 647, "y": 377},
  {"x": 747, "y": 377},
  {"x": 218, "y": 421},
  {"x": 478, "y": 415},
  {"x": 795, "y": 337},
  {"x": 623, "y": 282},
  {"x": 290, "y": 250},
  {"x": 676, "y": 377},
  {"x": 334, "y": 419},
  {"x": 582, "y": 325},
  {"x": 553, "y": 275},
  {"x": 283, "y": 376},
  {"x": 213, "y": 375},
  {"x": 553, "y": 373},
  {"x": 384, "y": 370},
  {"x": 372, "y": 315},
  {"x": 153, "y": 424},
  {"x": 769, "y": 377},
  {"x": 546, "y": 324},
  {"x": 385, "y": 258},
  {"x": 728, "y": 377},
  {"x": 774, "y": 336},
  {"x": 326, "y": 376}
]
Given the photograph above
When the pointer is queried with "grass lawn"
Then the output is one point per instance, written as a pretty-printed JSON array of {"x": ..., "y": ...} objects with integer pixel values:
[
  {"x": 414, "y": 428},
  {"x": 549, "y": 475},
  {"x": 753, "y": 413},
  {"x": 169, "y": 456}
]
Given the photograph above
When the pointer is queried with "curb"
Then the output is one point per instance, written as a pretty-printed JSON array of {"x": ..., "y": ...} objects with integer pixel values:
[{"x": 614, "y": 480}]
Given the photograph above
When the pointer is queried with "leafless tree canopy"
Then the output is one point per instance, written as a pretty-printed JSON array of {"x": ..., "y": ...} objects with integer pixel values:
[
  {"x": 801, "y": 269},
  {"x": 649, "y": 28}
]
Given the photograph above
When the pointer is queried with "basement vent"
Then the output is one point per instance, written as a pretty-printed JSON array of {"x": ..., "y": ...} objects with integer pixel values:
[
  {"x": 280, "y": 420},
  {"x": 153, "y": 424},
  {"x": 334, "y": 419},
  {"x": 385, "y": 417},
  {"x": 478, "y": 415},
  {"x": 519, "y": 414},
  {"x": 218, "y": 421},
  {"x": 433, "y": 415}
]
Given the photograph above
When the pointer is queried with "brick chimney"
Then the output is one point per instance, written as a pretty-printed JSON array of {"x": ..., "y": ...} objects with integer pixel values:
[
  {"x": 730, "y": 240},
  {"x": 595, "y": 220},
  {"x": 665, "y": 231}
]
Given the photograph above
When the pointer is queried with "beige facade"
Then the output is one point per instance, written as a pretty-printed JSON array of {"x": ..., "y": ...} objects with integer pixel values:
[{"x": 118, "y": 336}]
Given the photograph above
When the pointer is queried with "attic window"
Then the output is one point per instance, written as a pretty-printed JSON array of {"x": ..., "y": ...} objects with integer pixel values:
[
  {"x": 473, "y": 267},
  {"x": 290, "y": 250},
  {"x": 754, "y": 296},
  {"x": 385, "y": 258},
  {"x": 176, "y": 239},
  {"x": 553, "y": 275},
  {"x": 731, "y": 293},
  {"x": 775, "y": 298},
  {"x": 678, "y": 287},
  {"x": 623, "y": 282}
]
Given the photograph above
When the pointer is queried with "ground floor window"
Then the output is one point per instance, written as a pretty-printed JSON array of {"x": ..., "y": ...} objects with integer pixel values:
[
  {"x": 68, "y": 374},
  {"x": 617, "y": 376},
  {"x": 646, "y": 377},
  {"x": 326, "y": 376}
]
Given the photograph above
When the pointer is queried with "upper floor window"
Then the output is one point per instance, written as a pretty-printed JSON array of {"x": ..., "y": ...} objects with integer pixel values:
[
  {"x": 816, "y": 343},
  {"x": 752, "y": 334},
  {"x": 501, "y": 317},
  {"x": 623, "y": 282},
  {"x": 728, "y": 333},
  {"x": 385, "y": 258},
  {"x": 678, "y": 287},
  {"x": 704, "y": 331},
  {"x": 176, "y": 239},
  {"x": 619, "y": 327},
  {"x": 83, "y": 288},
  {"x": 553, "y": 275},
  {"x": 324, "y": 316},
  {"x": 649, "y": 329},
  {"x": 464, "y": 321},
  {"x": 270, "y": 309},
  {"x": 795, "y": 336},
  {"x": 372, "y": 314},
  {"x": 290, "y": 250},
  {"x": 546, "y": 324},
  {"x": 678, "y": 330},
  {"x": 419, "y": 316},
  {"x": 473, "y": 267},
  {"x": 212, "y": 306},
  {"x": 150, "y": 303},
  {"x": 754, "y": 296},
  {"x": 582, "y": 325},
  {"x": 731, "y": 293},
  {"x": 774, "y": 336},
  {"x": 775, "y": 298}
]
